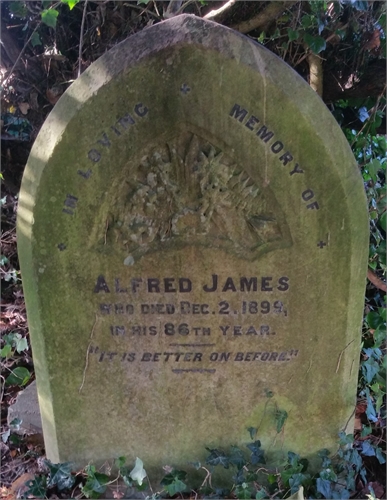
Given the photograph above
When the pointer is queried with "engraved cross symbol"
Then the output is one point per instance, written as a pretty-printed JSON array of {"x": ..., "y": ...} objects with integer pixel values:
[
  {"x": 321, "y": 244},
  {"x": 185, "y": 89}
]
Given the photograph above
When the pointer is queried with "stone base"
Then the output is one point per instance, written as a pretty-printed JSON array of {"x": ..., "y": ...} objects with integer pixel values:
[{"x": 26, "y": 408}]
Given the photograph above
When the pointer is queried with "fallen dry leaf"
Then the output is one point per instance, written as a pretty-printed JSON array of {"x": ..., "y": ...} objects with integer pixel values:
[
  {"x": 34, "y": 101},
  {"x": 361, "y": 407},
  {"x": 376, "y": 486},
  {"x": 374, "y": 41},
  {"x": 34, "y": 440},
  {"x": 358, "y": 425},
  {"x": 117, "y": 494},
  {"x": 19, "y": 486},
  {"x": 6, "y": 493},
  {"x": 24, "y": 107},
  {"x": 54, "y": 94}
]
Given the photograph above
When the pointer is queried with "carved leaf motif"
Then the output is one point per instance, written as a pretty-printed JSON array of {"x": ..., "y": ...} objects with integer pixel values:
[{"x": 192, "y": 194}]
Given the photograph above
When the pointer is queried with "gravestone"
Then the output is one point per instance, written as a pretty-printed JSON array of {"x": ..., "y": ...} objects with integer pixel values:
[{"x": 193, "y": 240}]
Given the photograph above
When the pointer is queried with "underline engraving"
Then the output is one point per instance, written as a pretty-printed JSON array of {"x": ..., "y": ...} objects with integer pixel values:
[
  {"x": 194, "y": 370},
  {"x": 191, "y": 345}
]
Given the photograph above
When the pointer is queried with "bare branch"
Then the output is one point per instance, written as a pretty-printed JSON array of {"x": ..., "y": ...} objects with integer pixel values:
[
  {"x": 263, "y": 20},
  {"x": 376, "y": 281},
  {"x": 315, "y": 73},
  {"x": 9, "y": 73},
  {"x": 172, "y": 9},
  {"x": 217, "y": 12},
  {"x": 81, "y": 39}
]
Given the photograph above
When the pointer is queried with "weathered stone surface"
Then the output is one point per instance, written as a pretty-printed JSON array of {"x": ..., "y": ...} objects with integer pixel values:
[
  {"x": 193, "y": 240},
  {"x": 26, "y": 409}
]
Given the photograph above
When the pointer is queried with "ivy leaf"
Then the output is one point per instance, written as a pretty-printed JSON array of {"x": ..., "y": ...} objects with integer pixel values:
[
  {"x": 217, "y": 457},
  {"x": 173, "y": 482},
  {"x": 328, "y": 474},
  {"x": 239, "y": 477},
  {"x": 253, "y": 432},
  {"x": 324, "y": 487},
  {"x": 6, "y": 351},
  {"x": 366, "y": 431},
  {"x": 49, "y": 17},
  {"x": 369, "y": 369},
  {"x": 340, "y": 33},
  {"x": 293, "y": 34},
  {"x": 70, "y": 3},
  {"x": 363, "y": 114},
  {"x": 367, "y": 449},
  {"x": 257, "y": 454},
  {"x": 360, "y": 5},
  {"x": 380, "y": 456},
  {"x": 138, "y": 473},
  {"x": 60, "y": 475},
  {"x": 324, "y": 455},
  {"x": 374, "y": 319},
  {"x": 35, "y": 39},
  {"x": 36, "y": 487},
  {"x": 307, "y": 21},
  {"x": 18, "y": 9},
  {"x": 251, "y": 476},
  {"x": 345, "y": 439},
  {"x": 120, "y": 462},
  {"x": 321, "y": 25},
  {"x": 197, "y": 465},
  {"x": 316, "y": 43},
  {"x": 18, "y": 376},
  {"x": 296, "y": 480},
  {"x": 280, "y": 418},
  {"x": 175, "y": 487},
  {"x": 95, "y": 483},
  {"x": 370, "y": 411},
  {"x": 243, "y": 491},
  {"x": 3, "y": 259},
  {"x": 236, "y": 457},
  {"x": 5, "y": 435},
  {"x": 21, "y": 344},
  {"x": 373, "y": 168},
  {"x": 15, "y": 424},
  {"x": 124, "y": 471},
  {"x": 356, "y": 460}
]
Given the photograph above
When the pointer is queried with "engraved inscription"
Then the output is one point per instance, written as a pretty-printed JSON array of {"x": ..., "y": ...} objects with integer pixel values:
[
  {"x": 247, "y": 308},
  {"x": 195, "y": 357},
  {"x": 254, "y": 124},
  {"x": 70, "y": 204},
  {"x": 85, "y": 174}
]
